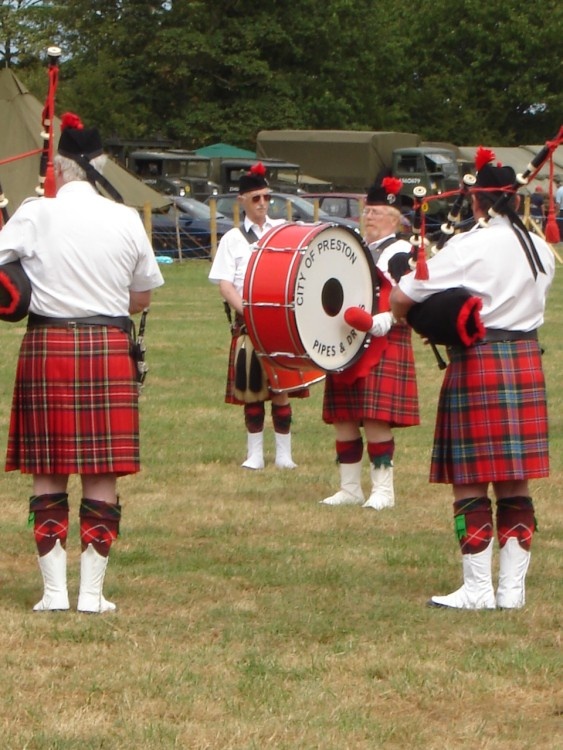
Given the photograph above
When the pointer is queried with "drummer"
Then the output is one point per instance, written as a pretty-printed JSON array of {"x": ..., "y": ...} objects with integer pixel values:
[
  {"x": 228, "y": 271},
  {"x": 379, "y": 392}
]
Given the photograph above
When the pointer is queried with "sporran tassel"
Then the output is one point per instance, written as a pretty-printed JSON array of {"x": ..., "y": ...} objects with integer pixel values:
[
  {"x": 240, "y": 369},
  {"x": 255, "y": 375}
]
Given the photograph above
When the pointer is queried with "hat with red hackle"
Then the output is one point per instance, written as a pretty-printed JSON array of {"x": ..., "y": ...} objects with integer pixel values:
[
  {"x": 76, "y": 140},
  {"x": 385, "y": 192},
  {"x": 82, "y": 145},
  {"x": 254, "y": 179},
  {"x": 491, "y": 176}
]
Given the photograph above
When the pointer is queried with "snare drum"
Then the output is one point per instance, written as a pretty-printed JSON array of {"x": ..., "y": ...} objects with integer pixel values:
[{"x": 299, "y": 282}]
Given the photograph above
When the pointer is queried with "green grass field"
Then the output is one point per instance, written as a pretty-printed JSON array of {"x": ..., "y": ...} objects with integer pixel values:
[{"x": 250, "y": 616}]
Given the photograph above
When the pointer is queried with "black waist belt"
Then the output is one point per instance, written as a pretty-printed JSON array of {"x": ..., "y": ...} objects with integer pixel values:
[
  {"x": 121, "y": 321},
  {"x": 495, "y": 335}
]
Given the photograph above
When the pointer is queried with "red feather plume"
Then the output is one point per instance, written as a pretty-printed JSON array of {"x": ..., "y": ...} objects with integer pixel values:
[
  {"x": 391, "y": 185},
  {"x": 483, "y": 156},
  {"x": 70, "y": 120},
  {"x": 258, "y": 169}
]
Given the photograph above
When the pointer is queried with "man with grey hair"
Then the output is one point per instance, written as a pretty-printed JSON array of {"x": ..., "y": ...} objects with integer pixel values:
[
  {"x": 75, "y": 404},
  {"x": 379, "y": 392}
]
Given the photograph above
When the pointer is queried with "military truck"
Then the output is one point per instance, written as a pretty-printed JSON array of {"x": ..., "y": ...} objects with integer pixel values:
[
  {"x": 352, "y": 159},
  {"x": 174, "y": 172},
  {"x": 283, "y": 176}
]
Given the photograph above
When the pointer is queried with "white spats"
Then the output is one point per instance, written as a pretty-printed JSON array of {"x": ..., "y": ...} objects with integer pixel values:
[
  {"x": 92, "y": 572},
  {"x": 53, "y": 570},
  {"x": 477, "y": 590},
  {"x": 350, "y": 492}
]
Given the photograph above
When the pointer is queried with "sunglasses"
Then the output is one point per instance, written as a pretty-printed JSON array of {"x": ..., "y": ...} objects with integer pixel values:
[{"x": 258, "y": 198}]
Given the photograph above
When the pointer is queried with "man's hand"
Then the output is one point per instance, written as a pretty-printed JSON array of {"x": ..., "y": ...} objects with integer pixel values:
[
  {"x": 382, "y": 324},
  {"x": 377, "y": 325}
]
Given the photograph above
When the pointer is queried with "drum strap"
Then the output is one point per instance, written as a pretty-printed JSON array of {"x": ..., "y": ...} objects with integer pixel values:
[
  {"x": 249, "y": 234},
  {"x": 228, "y": 313},
  {"x": 376, "y": 251}
]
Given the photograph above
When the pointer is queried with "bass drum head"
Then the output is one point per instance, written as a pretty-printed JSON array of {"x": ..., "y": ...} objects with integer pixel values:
[{"x": 336, "y": 272}]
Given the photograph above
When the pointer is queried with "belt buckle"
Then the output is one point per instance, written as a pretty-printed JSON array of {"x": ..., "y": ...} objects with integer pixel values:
[{"x": 72, "y": 324}]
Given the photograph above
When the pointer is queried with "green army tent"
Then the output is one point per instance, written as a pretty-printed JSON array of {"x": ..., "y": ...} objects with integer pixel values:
[
  {"x": 20, "y": 125},
  {"x": 225, "y": 151}
]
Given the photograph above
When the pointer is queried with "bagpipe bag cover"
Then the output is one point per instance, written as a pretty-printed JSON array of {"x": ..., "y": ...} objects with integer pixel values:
[
  {"x": 15, "y": 292},
  {"x": 450, "y": 318}
]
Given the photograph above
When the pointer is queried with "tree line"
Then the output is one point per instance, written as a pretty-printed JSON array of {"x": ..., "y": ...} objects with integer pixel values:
[{"x": 198, "y": 72}]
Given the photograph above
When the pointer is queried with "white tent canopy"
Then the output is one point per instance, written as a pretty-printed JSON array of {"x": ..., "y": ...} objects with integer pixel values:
[{"x": 519, "y": 158}]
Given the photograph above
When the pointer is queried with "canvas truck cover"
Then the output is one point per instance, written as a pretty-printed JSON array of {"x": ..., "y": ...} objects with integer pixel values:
[{"x": 350, "y": 159}]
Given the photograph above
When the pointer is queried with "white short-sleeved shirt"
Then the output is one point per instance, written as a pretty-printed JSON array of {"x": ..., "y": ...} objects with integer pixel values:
[
  {"x": 82, "y": 253},
  {"x": 234, "y": 252},
  {"x": 490, "y": 263}
]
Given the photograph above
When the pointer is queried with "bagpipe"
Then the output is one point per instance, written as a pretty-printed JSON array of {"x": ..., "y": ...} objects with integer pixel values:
[
  {"x": 502, "y": 205},
  {"x": 522, "y": 179},
  {"x": 452, "y": 317},
  {"x": 46, "y": 183},
  {"x": 447, "y": 230},
  {"x": 420, "y": 241},
  {"x": 138, "y": 349},
  {"x": 449, "y": 318},
  {"x": 15, "y": 289},
  {"x": 15, "y": 292}
]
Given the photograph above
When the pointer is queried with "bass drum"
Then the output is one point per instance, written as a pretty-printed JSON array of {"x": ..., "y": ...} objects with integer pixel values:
[
  {"x": 288, "y": 380},
  {"x": 299, "y": 282}
]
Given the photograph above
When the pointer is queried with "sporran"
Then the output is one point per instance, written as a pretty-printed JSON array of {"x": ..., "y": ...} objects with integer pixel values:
[{"x": 251, "y": 383}]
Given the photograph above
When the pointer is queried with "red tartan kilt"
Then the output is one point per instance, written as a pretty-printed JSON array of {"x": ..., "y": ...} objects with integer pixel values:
[
  {"x": 388, "y": 393},
  {"x": 491, "y": 422},
  {"x": 230, "y": 397},
  {"x": 75, "y": 403}
]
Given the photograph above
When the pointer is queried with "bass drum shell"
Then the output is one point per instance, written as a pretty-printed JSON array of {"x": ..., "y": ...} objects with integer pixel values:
[
  {"x": 300, "y": 280},
  {"x": 288, "y": 380}
]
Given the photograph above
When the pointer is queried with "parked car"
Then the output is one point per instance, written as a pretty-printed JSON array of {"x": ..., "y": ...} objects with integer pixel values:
[
  {"x": 186, "y": 224},
  {"x": 301, "y": 209},
  {"x": 343, "y": 205}
]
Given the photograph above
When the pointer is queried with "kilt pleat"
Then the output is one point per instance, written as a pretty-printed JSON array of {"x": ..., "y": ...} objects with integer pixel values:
[
  {"x": 388, "y": 393},
  {"x": 491, "y": 422},
  {"x": 75, "y": 403}
]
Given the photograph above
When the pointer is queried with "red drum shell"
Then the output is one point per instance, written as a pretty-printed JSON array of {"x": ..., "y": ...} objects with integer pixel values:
[
  {"x": 300, "y": 280},
  {"x": 283, "y": 379}
]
